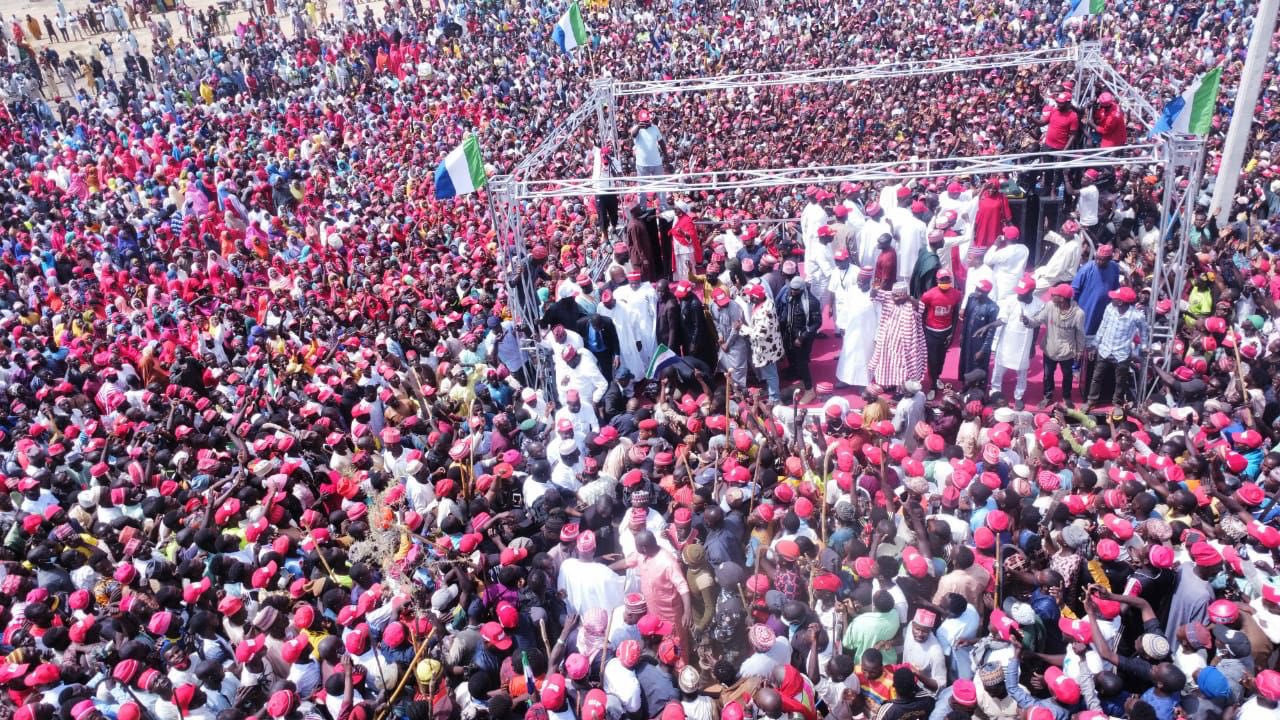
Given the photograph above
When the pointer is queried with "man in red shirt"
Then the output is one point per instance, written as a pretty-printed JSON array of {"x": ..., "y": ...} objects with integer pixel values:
[
  {"x": 1108, "y": 120},
  {"x": 1062, "y": 125},
  {"x": 941, "y": 305}
]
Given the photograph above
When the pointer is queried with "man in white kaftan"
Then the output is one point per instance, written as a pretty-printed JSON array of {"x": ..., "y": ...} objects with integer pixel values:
[
  {"x": 1007, "y": 260},
  {"x": 1014, "y": 337},
  {"x": 859, "y": 317},
  {"x": 1062, "y": 265},
  {"x": 636, "y": 319}
]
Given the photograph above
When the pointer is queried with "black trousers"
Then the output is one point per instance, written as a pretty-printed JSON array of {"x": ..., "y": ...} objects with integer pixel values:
[
  {"x": 1051, "y": 368},
  {"x": 798, "y": 357},
  {"x": 607, "y": 212},
  {"x": 1119, "y": 370},
  {"x": 936, "y": 344}
]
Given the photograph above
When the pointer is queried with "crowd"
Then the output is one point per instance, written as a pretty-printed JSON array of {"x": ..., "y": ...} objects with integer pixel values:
[{"x": 282, "y": 437}]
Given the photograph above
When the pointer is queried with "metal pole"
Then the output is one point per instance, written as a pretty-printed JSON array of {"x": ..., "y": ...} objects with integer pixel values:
[
  {"x": 1264, "y": 25},
  {"x": 1086, "y": 77},
  {"x": 1183, "y": 158}
]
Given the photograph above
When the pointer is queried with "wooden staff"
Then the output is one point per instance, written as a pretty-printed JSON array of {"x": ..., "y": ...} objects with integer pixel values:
[
  {"x": 826, "y": 475},
  {"x": 999, "y": 568},
  {"x": 542, "y": 630},
  {"x": 325, "y": 563},
  {"x": 1244, "y": 389},
  {"x": 604, "y": 651},
  {"x": 469, "y": 481},
  {"x": 728, "y": 392},
  {"x": 404, "y": 679},
  {"x": 755, "y": 484}
]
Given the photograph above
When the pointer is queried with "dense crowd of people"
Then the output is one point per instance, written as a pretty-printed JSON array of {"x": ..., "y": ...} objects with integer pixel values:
[{"x": 283, "y": 437}]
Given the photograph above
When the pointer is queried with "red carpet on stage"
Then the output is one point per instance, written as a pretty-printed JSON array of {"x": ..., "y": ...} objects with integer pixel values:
[{"x": 827, "y": 350}]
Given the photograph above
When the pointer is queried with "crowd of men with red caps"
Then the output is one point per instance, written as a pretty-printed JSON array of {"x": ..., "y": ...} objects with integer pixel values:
[{"x": 278, "y": 443}]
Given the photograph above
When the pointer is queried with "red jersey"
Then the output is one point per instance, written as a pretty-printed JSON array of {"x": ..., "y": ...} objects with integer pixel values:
[
  {"x": 1110, "y": 124},
  {"x": 941, "y": 307},
  {"x": 1062, "y": 125}
]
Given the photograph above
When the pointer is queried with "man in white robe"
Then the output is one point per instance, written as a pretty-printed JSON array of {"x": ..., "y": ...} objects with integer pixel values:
[
  {"x": 861, "y": 317},
  {"x": 636, "y": 320},
  {"x": 910, "y": 230},
  {"x": 819, "y": 264},
  {"x": 1062, "y": 265},
  {"x": 844, "y": 279},
  {"x": 813, "y": 216},
  {"x": 961, "y": 201},
  {"x": 1015, "y": 336},
  {"x": 869, "y": 236},
  {"x": 1007, "y": 260},
  {"x": 578, "y": 371},
  {"x": 587, "y": 583}
]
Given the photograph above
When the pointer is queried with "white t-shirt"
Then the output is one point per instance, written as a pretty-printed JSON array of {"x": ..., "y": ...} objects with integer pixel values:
[
  {"x": 1253, "y": 710},
  {"x": 647, "y": 151},
  {"x": 1087, "y": 205}
]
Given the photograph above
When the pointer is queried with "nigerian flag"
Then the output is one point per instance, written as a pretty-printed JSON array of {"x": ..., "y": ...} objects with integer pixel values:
[
  {"x": 1084, "y": 8},
  {"x": 1192, "y": 111},
  {"x": 462, "y": 171},
  {"x": 570, "y": 32}
]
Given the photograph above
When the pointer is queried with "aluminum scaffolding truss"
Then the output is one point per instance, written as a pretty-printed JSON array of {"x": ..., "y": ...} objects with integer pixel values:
[
  {"x": 1181, "y": 156},
  {"x": 1093, "y": 70},
  {"x": 893, "y": 170}
]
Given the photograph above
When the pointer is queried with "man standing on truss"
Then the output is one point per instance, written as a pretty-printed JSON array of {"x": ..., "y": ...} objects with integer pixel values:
[{"x": 650, "y": 149}]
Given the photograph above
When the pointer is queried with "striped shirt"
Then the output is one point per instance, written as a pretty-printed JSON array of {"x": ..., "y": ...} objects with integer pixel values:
[{"x": 1114, "y": 339}]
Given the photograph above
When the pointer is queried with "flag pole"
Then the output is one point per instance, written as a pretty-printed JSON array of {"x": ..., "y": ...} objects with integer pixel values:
[
  {"x": 1242, "y": 117},
  {"x": 591, "y": 56},
  {"x": 493, "y": 212}
]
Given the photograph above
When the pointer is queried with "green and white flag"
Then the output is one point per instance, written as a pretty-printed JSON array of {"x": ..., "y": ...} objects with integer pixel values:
[
  {"x": 1192, "y": 111},
  {"x": 1084, "y": 8},
  {"x": 570, "y": 32},
  {"x": 462, "y": 171}
]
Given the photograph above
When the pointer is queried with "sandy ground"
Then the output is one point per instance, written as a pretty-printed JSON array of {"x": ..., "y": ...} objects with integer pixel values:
[
  {"x": 39, "y": 8},
  {"x": 87, "y": 45}
]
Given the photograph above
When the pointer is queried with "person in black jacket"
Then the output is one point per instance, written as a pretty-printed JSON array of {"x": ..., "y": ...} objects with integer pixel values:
[
  {"x": 911, "y": 703},
  {"x": 614, "y": 400},
  {"x": 601, "y": 338},
  {"x": 695, "y": 335},
  {"x": 668, "y": 324},
  {"x": 799, "y": 319}
]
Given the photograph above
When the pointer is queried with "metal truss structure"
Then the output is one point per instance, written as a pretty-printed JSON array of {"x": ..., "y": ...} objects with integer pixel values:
[
  {"x": 1183, "y": 169},
  {"x": 1181, "y": 157},
  {"x": 890, "y": 170}
]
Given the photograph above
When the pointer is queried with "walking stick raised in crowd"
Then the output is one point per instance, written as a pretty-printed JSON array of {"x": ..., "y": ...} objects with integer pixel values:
[
  {"x": 1244, "y": 389},
  {"x": 413, "y": 664},
  {"x": 728, "y": 391},
  {"x": 999, "y": 569},
  {"x": 468, "y": 482},
  {"x": 604, "y": 652},
  {"x": 325, "y": 563},
  {"x": 542, "y": 630},
  {"x": 826, "y": 479}
]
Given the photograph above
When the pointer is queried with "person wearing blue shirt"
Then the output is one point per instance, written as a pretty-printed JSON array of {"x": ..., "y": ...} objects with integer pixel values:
[
  {"x": 1092, "y": 283},
  {"x": 1112, "y": 349}
]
